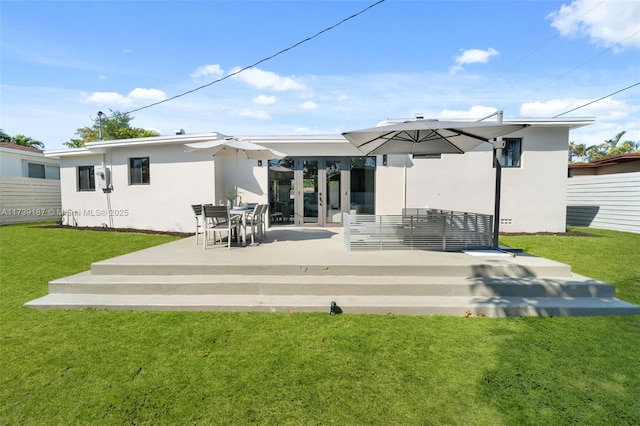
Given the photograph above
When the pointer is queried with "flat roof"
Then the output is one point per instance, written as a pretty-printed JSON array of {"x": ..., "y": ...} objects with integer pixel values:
[{"x": 294, "y": 145}]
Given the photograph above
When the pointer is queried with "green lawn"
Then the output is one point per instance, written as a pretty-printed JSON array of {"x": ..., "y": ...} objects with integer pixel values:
[{"x": 111, "y": 367}]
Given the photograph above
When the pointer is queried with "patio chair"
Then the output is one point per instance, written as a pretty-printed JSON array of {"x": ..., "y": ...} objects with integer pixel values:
[
  {"x": 217, "y": 219},
  {"x": 256, "y": 220},
  {"x": 197, "y": 210}
]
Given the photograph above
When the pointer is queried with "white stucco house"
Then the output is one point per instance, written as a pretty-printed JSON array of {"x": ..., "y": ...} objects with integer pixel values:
[
  {"x": 29, "y": 185},
  {"x": 151, "y": 183}
]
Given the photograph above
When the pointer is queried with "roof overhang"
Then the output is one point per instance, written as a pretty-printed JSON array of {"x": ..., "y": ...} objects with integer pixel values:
[
  {"x": 101, "y": 147},
  {"x": 571, "y": 123}
]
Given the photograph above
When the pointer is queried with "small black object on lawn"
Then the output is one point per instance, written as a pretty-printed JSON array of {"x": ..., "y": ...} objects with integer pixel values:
[{"x": 335, "y": 309}]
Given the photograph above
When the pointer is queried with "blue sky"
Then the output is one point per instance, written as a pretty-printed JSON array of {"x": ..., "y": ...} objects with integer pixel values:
[{"x": 63, "y": 61}]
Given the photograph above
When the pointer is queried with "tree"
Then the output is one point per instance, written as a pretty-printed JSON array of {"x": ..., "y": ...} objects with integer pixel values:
[
  {"x": 21, "y": 140},
  {"x": 608, "y": 148},
  {"x": 116, "y": 126},
  {"x": 577, "y": 152},
  {"x": 27, "y": 141},
  {"x": 4, "y": 137}
]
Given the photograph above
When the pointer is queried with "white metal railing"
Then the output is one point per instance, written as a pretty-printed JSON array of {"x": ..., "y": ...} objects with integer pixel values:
[{"x": 418, "y": 229}]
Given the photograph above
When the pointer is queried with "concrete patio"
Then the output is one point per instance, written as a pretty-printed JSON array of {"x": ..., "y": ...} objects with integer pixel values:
[{"x": 305, "y": 269}]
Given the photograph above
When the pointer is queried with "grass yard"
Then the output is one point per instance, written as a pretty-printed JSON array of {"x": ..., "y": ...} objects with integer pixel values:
[{"x": 112, "y": 367}]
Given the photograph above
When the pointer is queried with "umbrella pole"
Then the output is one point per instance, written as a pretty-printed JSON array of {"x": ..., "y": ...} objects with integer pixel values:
[{"x": 496, "y": 208}]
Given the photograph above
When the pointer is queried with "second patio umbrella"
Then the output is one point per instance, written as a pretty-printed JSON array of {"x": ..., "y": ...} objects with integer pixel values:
[
  {"x": 427, "y": 137},
  {"x": 434, "y": 137}
]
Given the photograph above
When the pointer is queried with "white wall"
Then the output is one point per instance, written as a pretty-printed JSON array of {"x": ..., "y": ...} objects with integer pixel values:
[
  {"x": 533, "y": 195},
  {"x": 252, "y": 180},
  {"x": 177, "y": 180},
  {"x": 11, "y": 163}
]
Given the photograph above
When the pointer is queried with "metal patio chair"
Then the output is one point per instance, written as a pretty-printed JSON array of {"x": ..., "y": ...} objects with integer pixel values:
[
  {"x": 256, "y": 221},
  {"x": 197, "y": 210},
  {"x": 218, "y": 219}
]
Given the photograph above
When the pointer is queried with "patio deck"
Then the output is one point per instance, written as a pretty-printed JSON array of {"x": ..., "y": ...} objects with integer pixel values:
[{"x": 305, "y": 269}]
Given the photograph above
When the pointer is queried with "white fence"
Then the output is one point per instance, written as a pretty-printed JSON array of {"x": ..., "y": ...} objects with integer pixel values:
[
  {"x": 605, "y": 201},
  {"x": 29, "y": 200},
  {"x": 436, "y": 230}
]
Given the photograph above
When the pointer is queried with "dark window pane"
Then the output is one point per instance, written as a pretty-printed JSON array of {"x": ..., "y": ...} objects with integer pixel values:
[
  {"x": 512, "y": 152},
  {"x": 139, "y": 171},
  {"x": 363, "y": 170},
  {"x": 36, "y": 171},
  {"x": 86, "y": 178}
]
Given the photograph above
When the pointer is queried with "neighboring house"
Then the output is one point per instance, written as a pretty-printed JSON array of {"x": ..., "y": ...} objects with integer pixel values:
[
  {"x": 151, "y": 183},
  {"x": 605, "y": 193},
  {"x": 29, "y": 185}
]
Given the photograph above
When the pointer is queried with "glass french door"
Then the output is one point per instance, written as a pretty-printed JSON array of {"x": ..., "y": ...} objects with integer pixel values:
[
  {"x": 316, "y": 191},
  {"x": 320, "y": 191}
]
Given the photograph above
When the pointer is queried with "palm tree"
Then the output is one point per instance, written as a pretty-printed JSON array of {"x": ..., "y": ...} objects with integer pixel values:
[
  {"x": 612, "y": 144},
  {"x": 577, "y": 151},
  {"x": 27, "y": 141}
]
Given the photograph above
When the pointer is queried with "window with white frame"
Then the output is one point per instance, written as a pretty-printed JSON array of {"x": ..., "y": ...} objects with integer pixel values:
[
  {"x": 41, "y": 170},
  {"x": 139, "y": 171},
  {"x": 86, "y": 178}
]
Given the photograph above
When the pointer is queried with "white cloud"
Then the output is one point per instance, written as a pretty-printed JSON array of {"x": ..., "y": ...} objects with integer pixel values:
[
  {"x": 606, "y": 109},
  {"x": 472, "y": 56},
  {"x": 606, "y": 23},
  {"x": 116, "y": 99},
  {"x": 147, "y": 94},
  {"x": 252, "y": 113},
  {"x": 106, "y": 98},
  {"x": 264, "y": 100},
  {"x": 308, "y": 105},
  {"x": 267, "y": 80},
  {"x": 102, "y": 77},
  {"x": 208, "y": 70}
]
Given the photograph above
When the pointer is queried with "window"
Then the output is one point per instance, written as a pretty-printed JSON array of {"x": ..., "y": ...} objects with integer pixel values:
[
  {"x": 86, "y": 178},
  {"x": 36, "y": 171},
  {"x": 139, "y": 171},
  {"x": 41, "y": 171},
  {"x": 511, "y": 152},
  {"x": 52, "y": 172}
]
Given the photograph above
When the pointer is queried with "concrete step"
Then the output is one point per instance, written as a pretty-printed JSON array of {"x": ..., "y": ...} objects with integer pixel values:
[
  {"x": 349, "y": 304},
  {"x": 330, "y": 285},
  {"x": 522, "y": 268}
]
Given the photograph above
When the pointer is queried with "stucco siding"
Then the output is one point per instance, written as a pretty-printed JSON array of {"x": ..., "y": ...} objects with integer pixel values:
[
  {"x": 177, "y": 180},
  {"x": 532, "y": 196}
]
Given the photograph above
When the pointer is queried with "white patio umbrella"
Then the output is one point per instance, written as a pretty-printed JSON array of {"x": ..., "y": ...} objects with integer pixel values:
[
  {"x": 232, "y": 147},
  {"x": 427, "y": 137},
  {"x": 434, "y": 137}
]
